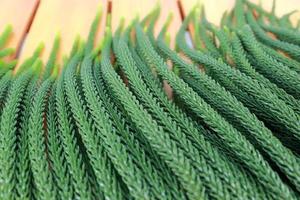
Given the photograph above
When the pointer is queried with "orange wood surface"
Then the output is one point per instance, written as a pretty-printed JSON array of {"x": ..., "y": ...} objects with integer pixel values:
[
  {"x": 71, "y": 18},
  {"x": 18, "y": 13},
  {"x": 130, "y": 9},
  {"x": 215, "y": 8},
  {"x": 68, "y": 18}
]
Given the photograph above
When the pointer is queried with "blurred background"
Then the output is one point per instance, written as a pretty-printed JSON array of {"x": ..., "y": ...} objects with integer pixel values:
[{"x": 40, "y": 21}]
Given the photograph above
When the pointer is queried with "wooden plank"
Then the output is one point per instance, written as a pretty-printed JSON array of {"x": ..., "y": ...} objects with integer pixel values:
[
  {"x": 19, "y": 14},
  {"x": 69, "y": 18},
  {"x": 131, "y": 8},
  {"x": 215, "y": 8}
]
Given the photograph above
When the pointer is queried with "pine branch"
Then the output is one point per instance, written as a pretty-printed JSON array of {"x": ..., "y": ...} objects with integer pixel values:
[
  {"x": 156, "y": 178},
  {"x": 292, "y": 64},
  {"x": 101, "y": 165},
  {"x": 52, "y": 59},
  {"x": 77, "y": 167},
  {"x": 242, "y": 63},
  {"x": 211, "y": 182},
  {"x": 24, "y": 172},
  {"x": 239, "y": 16},
  {"x": 238, "y": 143},
  {"x": 8, "y": 129},
  {"x": 5, "y": 83},
  {"x": 239, "y": 116},
  {"x": 117, "y": 151},
  {"x": 6, "y": 66},
  {"x": 6, "y": 52},
  {"x": 276, "y": 72},
  {"x": 31, "y": 60},
  {"x": 290, "y": 49},
  {"x": 61, "y": 175},
  {"x": 225, "y": 170},
  {"x": 283, "y": 33},
  {"x": 158, "y": 139},
  {"x": 256, "y": 97},
  {"x": 37, "y": 145}
]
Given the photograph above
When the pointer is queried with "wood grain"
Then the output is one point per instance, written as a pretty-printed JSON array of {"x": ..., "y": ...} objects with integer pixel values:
[
  {"x": 17, "y": 13},
  {"x": 69, "y": 18},
  {"x": 130, "y": 9}
]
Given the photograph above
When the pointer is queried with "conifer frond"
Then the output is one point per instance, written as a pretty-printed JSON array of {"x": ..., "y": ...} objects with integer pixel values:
[
  {"x": 37, "y": 145},
  {"x": 243, "y": 149},
  {"x": 172, "y": 155},
  {"x": 8, "y": 130},
  {"x": 101, "y": 165}
]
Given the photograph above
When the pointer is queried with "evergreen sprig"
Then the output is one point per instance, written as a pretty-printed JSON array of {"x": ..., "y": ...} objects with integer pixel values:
[
  {"x": 284, "y": 34},
  {"x": 77, "y": 167},
  {"x": 5, "y": 83},
  {"x": 101, "y": 165},
  {"x": 237, "y": 142},
  {"x": 292, "y": 64},
  {"x": 117, "y": 151},
  {"x": 61, "y": 175},
  {"x": 24, "y": 174},
  {"x": 5, "y": 35},
  {"x": 242, "y": 63},
  {"x": 158, "y": 139},
  {"x": 8, "y": 130},
  {"x": 42, "y": 175},
  {"x": 224, "y": 168},
  {"x": 158, "y": 180},
  {"x": 52, "y": 59},
  {"x": 255, "y": 96},
  {"x": 239, "y": 116},
  {"x": 276, "y": 72},
  {"x": 210, "y": 180},
  {"x": 291, "y": 49}
]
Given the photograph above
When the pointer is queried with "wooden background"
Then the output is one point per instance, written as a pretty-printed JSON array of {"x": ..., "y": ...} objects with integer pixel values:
[{"x": 36, "y": 21}]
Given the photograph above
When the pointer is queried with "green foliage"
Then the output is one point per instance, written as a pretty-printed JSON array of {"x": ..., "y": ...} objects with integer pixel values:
[
  {"x": 76, "y": 166},
  {"x": 37, "y": 145},
  {"x": 224, "y": 169},
  {"x": 99, "y": 161},
  {"x": 24, "y": 172},
  {"x": 276, "y": 72},
  {"x": 241, "y": 62},
  {"x": 222, "y": 127},
  {"x": 31, "y": 60},
  {"x": 158, "y": 139},
  {"x": 5, "y": 35},
  {"x": 52, "y": 58},
  {"x": 283, "y": 33},
  {"x": 151, "y": 104},
  {"x": 5, "y": 66},
  {"x": 6, "y": 52},
  {"x": 117, "y": 151},
  {"x": 60, "y": 171},
  {"x": 130, "y": 118},
  {"x": 5, "y": 83},
  {"x": 239, "y": 116},
  {"x": 292, "y": 64},
  {"x": 207, "y": 39},
  {"x": 291, "y": 49},
  {"x": 156, "y": 179},
  {"x": 240, "y": 19},
  {"x": 255, "y": 96},
  {"x": 8, "y": 129}
]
